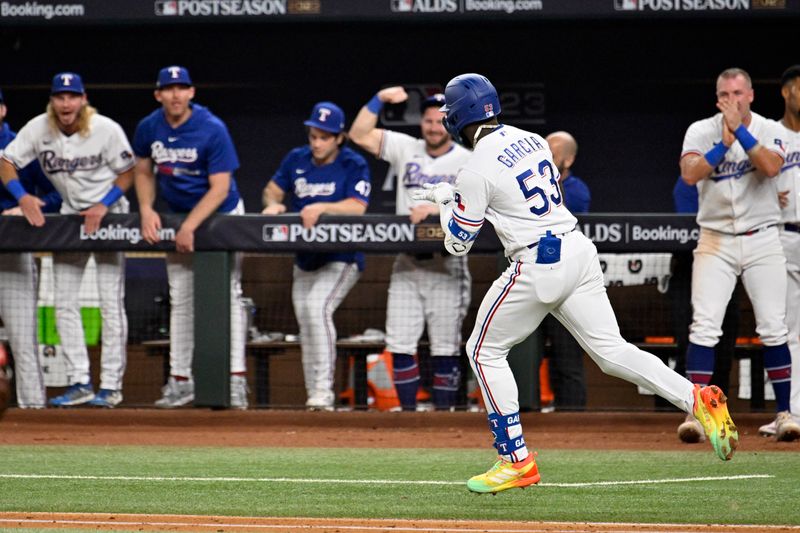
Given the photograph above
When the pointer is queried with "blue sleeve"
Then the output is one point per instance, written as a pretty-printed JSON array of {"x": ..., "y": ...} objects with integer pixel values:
[
  {"x": 283, "y": 176},
  {"x": 685, "y": 196},
  {"x": 221, "y": 153},
  {"x": 141, "y": 140},
  {"x": 35, "y": 182},
  {"x": 357, "y": 183}
]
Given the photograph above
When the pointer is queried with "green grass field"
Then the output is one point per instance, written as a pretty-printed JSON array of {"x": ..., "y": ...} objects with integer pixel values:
[{"x": 399, "y": 483}]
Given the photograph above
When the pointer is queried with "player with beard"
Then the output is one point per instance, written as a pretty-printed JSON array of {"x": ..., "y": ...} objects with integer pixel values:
[
  {"x": 428, "y": 288},
  {"x": 87, "y": 158}
]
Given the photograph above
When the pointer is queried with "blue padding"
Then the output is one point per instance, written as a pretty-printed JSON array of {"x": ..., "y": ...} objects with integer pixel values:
[
  {"x": 460, "y": 233},
  {"x": 499, "y": 425}
]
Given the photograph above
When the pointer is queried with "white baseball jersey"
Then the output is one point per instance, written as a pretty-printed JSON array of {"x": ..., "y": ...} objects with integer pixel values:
[
  {"x": 414, "y": 166},
  {"x": 511, "y": 181},
  {"x": 789, "y": 179},
  {"x": 736, "y": 198},
  {"x": 81, "y": 168}
]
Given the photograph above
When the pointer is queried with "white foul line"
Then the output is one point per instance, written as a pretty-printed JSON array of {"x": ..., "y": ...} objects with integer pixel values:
[{"x": 375, "y": 481}]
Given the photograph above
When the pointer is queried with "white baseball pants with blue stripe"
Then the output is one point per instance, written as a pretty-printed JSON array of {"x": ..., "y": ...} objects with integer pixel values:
[
  {"x": 316, "y": 295},
  {"x": 573, "y": 291}
]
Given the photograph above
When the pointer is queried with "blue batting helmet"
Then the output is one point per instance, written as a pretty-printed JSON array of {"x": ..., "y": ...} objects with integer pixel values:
[{"x": 469, "y": 98}]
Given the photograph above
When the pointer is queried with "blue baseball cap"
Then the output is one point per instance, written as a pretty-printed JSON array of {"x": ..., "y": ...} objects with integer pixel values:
[
  {"x": 434, "y": 100},
  {"x": 173, "y": 75},
  {"x": 67, "y": 82},
  {"x": 326, "y": 116}
]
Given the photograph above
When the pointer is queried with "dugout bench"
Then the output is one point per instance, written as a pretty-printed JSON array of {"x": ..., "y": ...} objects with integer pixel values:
[{"x": 262, "y": 351}]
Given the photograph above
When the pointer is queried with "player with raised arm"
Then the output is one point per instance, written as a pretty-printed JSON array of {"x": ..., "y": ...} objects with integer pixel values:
[
  {"x": 18, "y": 281},
  {"x": 322, "y": 178},
  {"x": 88, "y": 159},
  {"x": 732, "y": 158},
  {"x": 191, "y": 153},
  {"x": 423, "y": 287},
  {"x": 511, "y": 181}
]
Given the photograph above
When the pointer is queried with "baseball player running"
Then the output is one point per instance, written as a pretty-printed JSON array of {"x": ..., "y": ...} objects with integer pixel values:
[
  {"x": 324, "y": 177},
  {"x": 511, "y": 181},
  {"x": 424, "y": 288},
  {"x": 732, "y": 157},
  {"x": 194, "y": 160},
  {"x": 89, "y": 161},
  {"x": 18, "y": 282},
  {"x": 788, "y": 191}
]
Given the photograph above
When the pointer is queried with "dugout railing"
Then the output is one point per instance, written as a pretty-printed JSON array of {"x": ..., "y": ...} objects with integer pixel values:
[{"x": 638, "y": 266}]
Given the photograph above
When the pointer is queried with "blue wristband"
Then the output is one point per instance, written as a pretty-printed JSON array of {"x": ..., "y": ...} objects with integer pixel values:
[
  {"x": 745, "y": 139},
  {"x": 716, "y": 154},
  {"x": 375, "y": 105},
  {"x": 112, "y": 196},
  {"x": 16, "y": 189}
]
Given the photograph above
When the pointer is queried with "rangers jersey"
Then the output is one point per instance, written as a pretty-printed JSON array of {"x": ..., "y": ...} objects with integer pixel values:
[
  {"x": 736, "y": 198},
  {"x": 32, "y": 179},
  {"x": 185, "y": 156},
  {"x": 789, "y": 179},
  {"x": 510, "y": 180},
  {"x": 81, "y": 168},
  {"x": 414, "y": 166},
  {"x": 346, "y": 177}
]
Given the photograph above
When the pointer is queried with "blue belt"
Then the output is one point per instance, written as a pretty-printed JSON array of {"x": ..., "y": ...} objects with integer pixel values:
[{"x": 792, "y": 227}]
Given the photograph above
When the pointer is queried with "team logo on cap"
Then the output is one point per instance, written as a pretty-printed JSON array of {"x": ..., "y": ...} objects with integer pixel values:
[
  {"x": 66, "y": 80},
  {"x": 324, "y": 113},
  {"x": 174, "y": 72}
]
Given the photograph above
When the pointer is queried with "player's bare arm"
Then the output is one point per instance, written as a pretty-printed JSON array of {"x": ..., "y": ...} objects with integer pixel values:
[
  {"x": 220, "y": 184},
  {"x": 364, "y": 131},
  {"x": 30, "y": 205},
  {"x": 422, "y": 211},
  {"x": 273, "y": 197},
  {"x": 145, "y": 182},
  {"x": 94, "y": 215},
  {"x": 349, "y": 206},
  {"x": 694, "y": 168}
]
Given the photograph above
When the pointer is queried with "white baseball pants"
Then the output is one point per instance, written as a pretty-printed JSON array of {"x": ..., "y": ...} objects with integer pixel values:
[
  {"x": 434, "y": 291},
  {"x": 572, "y": 290},
  {"x": 180, "y": 277},
  {"x": 719, "y": 260},
  {"x": 18, "y": 311},
  {"x": 791, "y": 247},
  {"x": 181, "y": 319},
  {"x": 315, "y": 296},
  {"x": 68, "y": 268}
]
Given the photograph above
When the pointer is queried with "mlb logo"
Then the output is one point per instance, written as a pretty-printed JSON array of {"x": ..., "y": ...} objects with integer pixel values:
[
  {"x": 275, "y": 233},
  {"x": 402, "y": 6},
  {"x": 166, "y": 7},
  {"x": 626, "y": 5},
  {"x": 488, "y": 110}
]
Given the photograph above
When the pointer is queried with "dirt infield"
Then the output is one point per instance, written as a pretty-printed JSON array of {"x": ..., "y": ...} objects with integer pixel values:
[
  {"x": 202, "y": 427},
  {"x": 199, "y": 427},
  {"x": 124, "y": 522}
]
